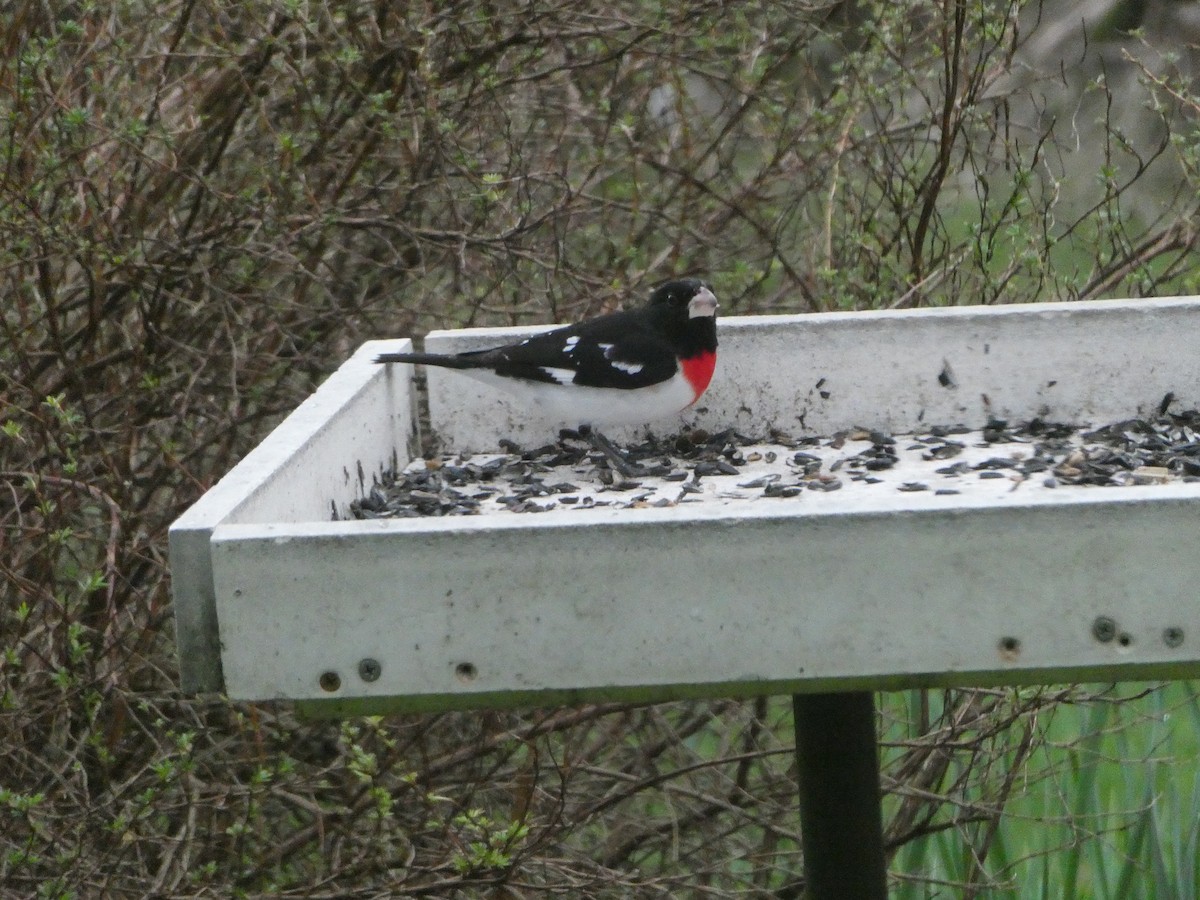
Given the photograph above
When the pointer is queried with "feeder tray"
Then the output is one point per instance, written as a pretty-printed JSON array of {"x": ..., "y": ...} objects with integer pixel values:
[{"x": 293, "y": 578}]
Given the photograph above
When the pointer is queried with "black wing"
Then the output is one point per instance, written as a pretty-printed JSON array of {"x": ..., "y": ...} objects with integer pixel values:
[{"x": 613, "y": 351}]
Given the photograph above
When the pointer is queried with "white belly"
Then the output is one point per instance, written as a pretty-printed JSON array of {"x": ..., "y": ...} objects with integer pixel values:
[{"x": 572, "y": 405}]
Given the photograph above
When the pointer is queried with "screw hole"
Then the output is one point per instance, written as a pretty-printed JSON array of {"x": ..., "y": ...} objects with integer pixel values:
[
  {"x": 1173, "y": 636},
  {"x": 330, "y": 681},
  {"x": 1010, "y": 647},
  {"x": 466, "y": 671},
  {"x": 1124, "y": 639}
]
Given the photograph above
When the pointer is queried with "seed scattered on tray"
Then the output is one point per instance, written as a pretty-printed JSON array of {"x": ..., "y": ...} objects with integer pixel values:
[{"x": 729, "y": 466}]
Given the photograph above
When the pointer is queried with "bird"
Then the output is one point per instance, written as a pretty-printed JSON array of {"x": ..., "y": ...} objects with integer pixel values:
[{"x": 623, "y": 368}]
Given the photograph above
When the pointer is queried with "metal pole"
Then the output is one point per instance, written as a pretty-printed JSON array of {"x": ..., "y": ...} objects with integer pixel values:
[{"x": 841, "y": 821}]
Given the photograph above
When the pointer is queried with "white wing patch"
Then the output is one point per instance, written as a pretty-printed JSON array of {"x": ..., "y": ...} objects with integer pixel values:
[
  {"x": 562, "y": 376},
  {"x": 628, "y": 367},
  {"x": 570, "y": 343}
]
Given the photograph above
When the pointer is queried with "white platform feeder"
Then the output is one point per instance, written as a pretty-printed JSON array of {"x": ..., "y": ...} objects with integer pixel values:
[
  {"x": 852, "y": 590},
  {"x": 827, "y": 596}
]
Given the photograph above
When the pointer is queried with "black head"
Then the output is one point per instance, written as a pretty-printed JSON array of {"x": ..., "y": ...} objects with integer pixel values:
[
  {"x": 686, "y": 311},
  {"x": 686, "y": 294}
]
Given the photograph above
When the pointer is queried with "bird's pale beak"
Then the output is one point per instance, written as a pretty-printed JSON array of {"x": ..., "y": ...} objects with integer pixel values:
[{"x": 703, "y": 304}]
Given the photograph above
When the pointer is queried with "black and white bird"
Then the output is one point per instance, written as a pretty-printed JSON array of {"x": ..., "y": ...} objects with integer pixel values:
[{"x": 624, "y": 368}]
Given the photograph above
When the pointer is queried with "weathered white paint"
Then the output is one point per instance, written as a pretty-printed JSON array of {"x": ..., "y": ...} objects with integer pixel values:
[
  {"x": 357, "y": 424},
  {"x": 894, "y": 589},
  {"x": 1096, "y": 361}
]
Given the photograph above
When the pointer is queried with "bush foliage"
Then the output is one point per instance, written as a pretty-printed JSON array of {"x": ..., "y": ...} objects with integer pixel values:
[{"x": 204, "y": 205}]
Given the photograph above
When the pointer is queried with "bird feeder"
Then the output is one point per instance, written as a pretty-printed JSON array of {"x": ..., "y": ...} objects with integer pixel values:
[{"x": 909, "y": 574}]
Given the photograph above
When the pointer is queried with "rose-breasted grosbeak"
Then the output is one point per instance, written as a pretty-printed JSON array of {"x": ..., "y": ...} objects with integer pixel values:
[{"x": 625, "y": 368}]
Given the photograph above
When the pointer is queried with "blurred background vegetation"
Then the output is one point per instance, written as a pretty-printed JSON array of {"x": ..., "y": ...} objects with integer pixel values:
[{"x": 205, "y": 205}]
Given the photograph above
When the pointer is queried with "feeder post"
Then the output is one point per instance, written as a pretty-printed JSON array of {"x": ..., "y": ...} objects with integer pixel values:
[{"x": 841, "y": 819}]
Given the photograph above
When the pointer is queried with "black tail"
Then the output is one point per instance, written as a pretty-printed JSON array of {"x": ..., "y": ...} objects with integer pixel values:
[{"x": 449, "y": 361}]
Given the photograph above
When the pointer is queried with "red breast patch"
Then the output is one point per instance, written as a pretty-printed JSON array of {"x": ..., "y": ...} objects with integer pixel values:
[{"x": 698, "y": 370}]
